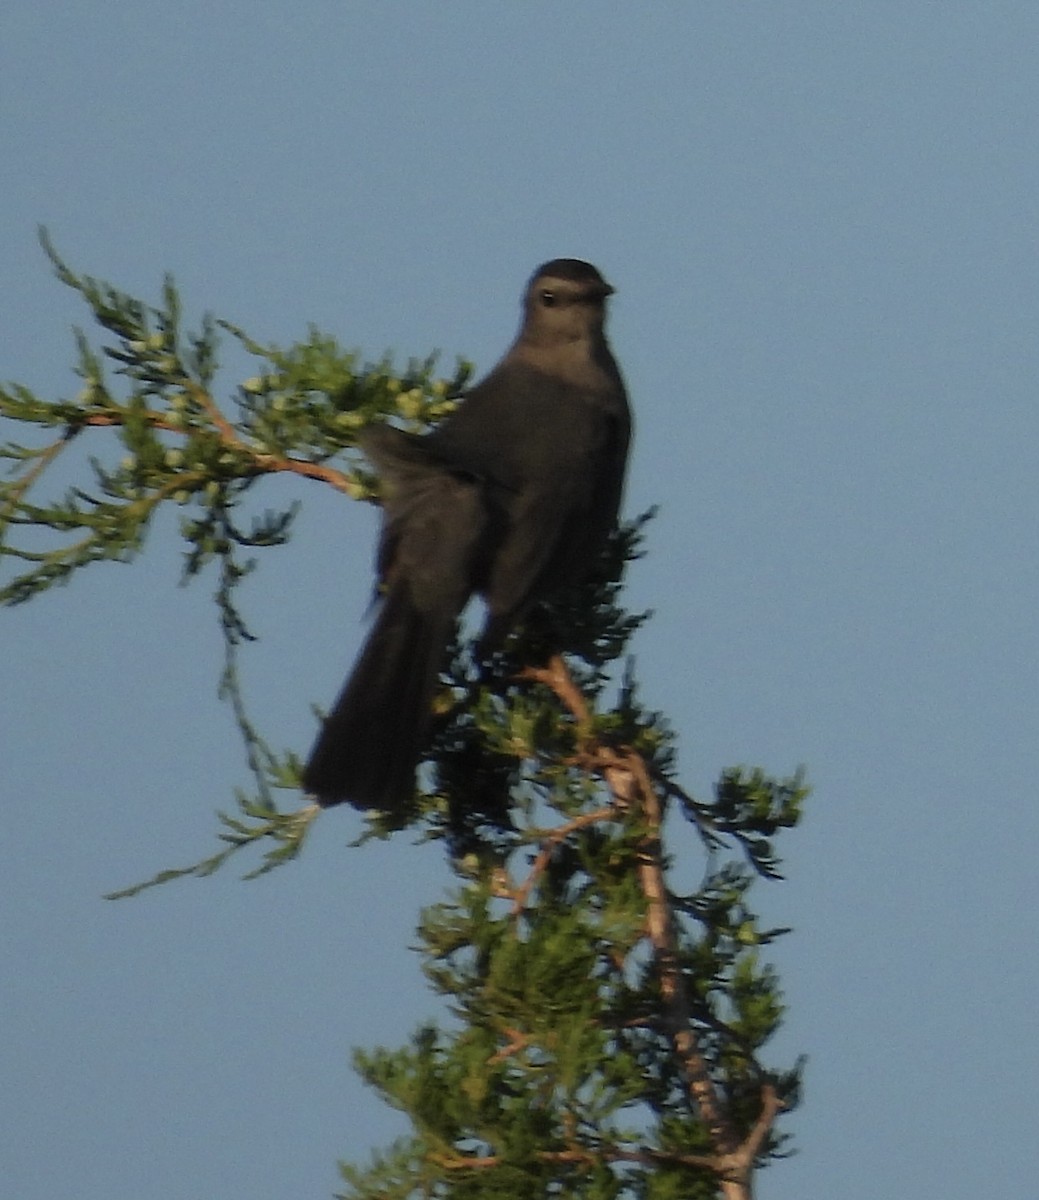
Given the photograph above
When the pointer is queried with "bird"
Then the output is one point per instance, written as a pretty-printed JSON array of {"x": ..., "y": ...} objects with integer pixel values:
[{"x": 511, "y": 497}]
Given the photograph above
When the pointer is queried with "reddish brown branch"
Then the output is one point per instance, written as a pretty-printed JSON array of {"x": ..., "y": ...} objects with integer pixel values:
[
  {"x": 628, "y": 777},
  {"x": 517, "y": 1040},
  {"x": 771, "y": 1107},
  {"x": 556, "y": 675},
  {"x": 661, "y": 930},
  {"x": 300, "y": 466},
  {"x": 261, "y": 461},
  {"x": 548, "y": 846},
  {"x": 228, "y": 433},
  {"x": 721, "y": 1165}
]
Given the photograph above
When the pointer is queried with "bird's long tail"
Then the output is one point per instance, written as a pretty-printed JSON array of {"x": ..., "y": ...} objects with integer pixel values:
[{"x": 371, "y": 741}]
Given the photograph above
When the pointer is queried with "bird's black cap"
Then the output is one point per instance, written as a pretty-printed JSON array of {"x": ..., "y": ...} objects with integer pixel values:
[{"x": 576, "y": 271}]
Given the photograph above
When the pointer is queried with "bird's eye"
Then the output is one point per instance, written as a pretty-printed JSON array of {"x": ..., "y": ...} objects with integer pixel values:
[{"x": 548, "y": 298}]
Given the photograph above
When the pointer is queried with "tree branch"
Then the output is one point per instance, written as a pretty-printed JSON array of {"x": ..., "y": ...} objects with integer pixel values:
[
  {"x": 548, "y": 846},
  {"x": 628, "y": 777},
  {"x": 263, "y": 461}
]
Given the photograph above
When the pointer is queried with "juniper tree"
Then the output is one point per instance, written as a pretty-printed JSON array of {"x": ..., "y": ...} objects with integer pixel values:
[{"x": 603, "y": 1029}]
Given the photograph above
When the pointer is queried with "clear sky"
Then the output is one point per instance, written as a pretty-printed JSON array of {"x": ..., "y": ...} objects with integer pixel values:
[{"x": 822, "y": 223}]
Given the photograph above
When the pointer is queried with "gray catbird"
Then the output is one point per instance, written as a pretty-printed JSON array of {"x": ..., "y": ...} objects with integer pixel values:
[{"x": 512, "y": 496}]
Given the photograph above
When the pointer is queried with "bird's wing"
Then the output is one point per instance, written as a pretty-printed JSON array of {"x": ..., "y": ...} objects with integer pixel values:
[
  {"x": 434, "y": 520},
  {"x": 538, "y": 553}
]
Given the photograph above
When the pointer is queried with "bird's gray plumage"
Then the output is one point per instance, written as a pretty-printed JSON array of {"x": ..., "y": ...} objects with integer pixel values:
[{"x": 512, "y": 496}]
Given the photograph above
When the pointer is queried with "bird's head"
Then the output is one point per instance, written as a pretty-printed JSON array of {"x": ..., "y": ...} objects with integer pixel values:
[{"x": 565, "y": 301}]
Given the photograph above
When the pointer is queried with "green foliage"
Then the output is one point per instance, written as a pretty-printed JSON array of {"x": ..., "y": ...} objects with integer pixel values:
[
  {"x": 169, "y": 441},
  {"x": 605, "y": 1028},
  {"x": 159, "y": 437},
  {"x": 558, "y": 1071}
]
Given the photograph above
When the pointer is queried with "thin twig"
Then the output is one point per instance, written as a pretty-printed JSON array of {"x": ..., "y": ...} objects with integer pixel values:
[
  {"x": 548, "y": 846},
  {"x": 263, "y": 461},
  {"x": 201, "y": 396},
  {"x": 517, "y": 1041},
  {"x": 43, "y": 460},
  {"x": 556, "y": 676}
]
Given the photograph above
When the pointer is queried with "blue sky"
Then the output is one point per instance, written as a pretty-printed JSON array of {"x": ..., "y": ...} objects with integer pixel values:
[{"x": 821, "y": 220}]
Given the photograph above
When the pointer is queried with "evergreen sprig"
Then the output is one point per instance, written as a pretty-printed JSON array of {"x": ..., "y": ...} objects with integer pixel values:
[
  {"x": 158, "y": 436},
  {"x": 149, "y": 387}
]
